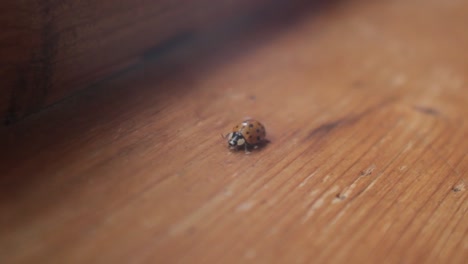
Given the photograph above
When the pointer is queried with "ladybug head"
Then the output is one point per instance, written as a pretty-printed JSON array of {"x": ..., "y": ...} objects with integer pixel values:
[{"x": 236, "y": 139}]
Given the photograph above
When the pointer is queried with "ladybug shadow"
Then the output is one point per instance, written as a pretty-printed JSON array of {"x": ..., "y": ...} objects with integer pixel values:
[{"x": 250, "y": 149}]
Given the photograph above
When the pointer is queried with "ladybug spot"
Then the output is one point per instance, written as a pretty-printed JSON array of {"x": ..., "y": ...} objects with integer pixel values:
[
  {"x": 247, "y": 132},
  {"x": 250, "y": 136},
  {"x": 258, "y": 130},
  {"x": 251, "y": 125},
  {"x": 258, "y": 138}
]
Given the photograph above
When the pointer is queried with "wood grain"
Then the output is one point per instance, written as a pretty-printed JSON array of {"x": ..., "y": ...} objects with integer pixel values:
[
  {"x": 53, "y": 49},
  {"x": 365, "y": 105}
]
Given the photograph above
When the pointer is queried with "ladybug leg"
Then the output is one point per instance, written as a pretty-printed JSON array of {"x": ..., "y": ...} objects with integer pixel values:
[
  {"x": 228, "y": 135},
  {"x": 246, "y": 149}
]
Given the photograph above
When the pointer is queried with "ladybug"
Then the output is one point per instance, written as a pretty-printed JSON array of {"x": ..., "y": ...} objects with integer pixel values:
[{"x": 246, "y": 134}]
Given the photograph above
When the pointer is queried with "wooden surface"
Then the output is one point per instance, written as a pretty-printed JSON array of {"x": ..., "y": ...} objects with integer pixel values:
[
  {"x": 50, "y": 50},
  {"x": 365, "y": 104}
]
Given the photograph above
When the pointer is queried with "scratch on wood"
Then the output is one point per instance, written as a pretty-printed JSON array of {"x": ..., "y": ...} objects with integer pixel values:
[
  {"x": 459, "y": 187},
  {"x": 426, "y": 110},
  {"x": 307, "y": 179},
  {"x": 346, "y": 192},
  {"x": 319, "y": 203},
  {"x": 408, "y": 147},
  {"x": 313, "y": 208},
  {"x": 326, "y": 178},
  {"x": 368, "y": 171},
  {"x": 313, "y": 193},
  {"x": 246, "y": 206},
  {"x": 326, "y": 128},
  {"x": 345, "y": 121},
  {"x": 371, "y": 185}
]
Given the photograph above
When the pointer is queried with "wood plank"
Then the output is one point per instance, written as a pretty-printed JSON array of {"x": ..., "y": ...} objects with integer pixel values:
[
  {"x": 53, "y": 49},
  {"x": 365, "y": 105}
]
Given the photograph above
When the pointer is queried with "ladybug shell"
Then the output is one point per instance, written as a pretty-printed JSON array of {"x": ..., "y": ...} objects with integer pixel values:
[{"x": 252, "y": 131}]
